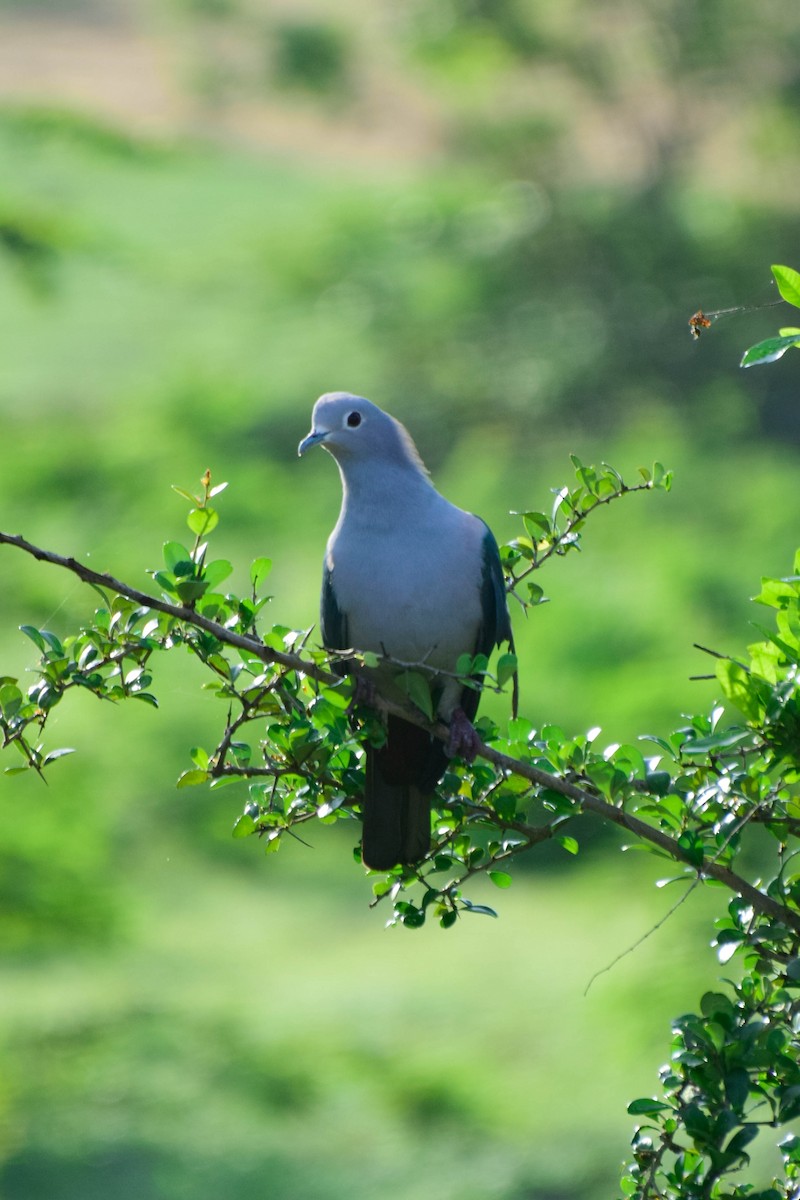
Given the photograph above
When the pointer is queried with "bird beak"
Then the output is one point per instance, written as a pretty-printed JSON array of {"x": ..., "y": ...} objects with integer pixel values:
[{"x": 313, "y": 439}]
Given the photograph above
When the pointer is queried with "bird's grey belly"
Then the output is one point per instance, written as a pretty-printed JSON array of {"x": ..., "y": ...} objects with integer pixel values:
[{"x": 425, "y": 617}]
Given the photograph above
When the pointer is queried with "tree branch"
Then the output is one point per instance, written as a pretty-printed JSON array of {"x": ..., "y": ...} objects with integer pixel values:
[
  {"x": 256, "y": 647},
  {"x": 587, "y": 800}
]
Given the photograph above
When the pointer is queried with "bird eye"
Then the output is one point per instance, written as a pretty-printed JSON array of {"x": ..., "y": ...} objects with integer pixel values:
[{"x": 354, "y": 419}]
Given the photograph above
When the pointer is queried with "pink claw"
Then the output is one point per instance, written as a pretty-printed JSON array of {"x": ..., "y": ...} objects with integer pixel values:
[{"x": 463, "y": 741}]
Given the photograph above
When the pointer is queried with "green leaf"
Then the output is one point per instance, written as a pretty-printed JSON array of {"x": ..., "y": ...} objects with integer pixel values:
[
  {"x": 568, "y": 843},
  {"x": 216, "y": 571},
  {"x": 176, "y": 555},
  {"x": 34, "y": 635},
  {"x": 10, "y": 700},
  {"x": 259, "y": 570},
  {"x": 716, "y": 741},
  {"x": 190, "y": 589},
  {"x": 630, "y": 760},
  {"x": 53, "y": 642},
  {"x": 768, "y": 351},
  {"x": 183, "y": 492},
  {"x": 165, "y": 580},
  {"x": 54, "y": 754},
  {"x": 202, "y": 520},
  {"x": 662, "y": 478},
  {"x": 739, "y": 686},
  {"x": 500, "y": 879},
  {"x": 788, "y": 281},
  {"x": 243, "y": 826},
  {"x": 192, "y": 777},
  {"x": 535, "y": 593},
  {"x": 776, "y": 593},
  {"x": 482, "y": 909},
  {"x": 536, "y": 524},
  {"x": 645, "y": 1105},
  {"x": 506, "y": 668},
  {"x": 418, "y": 690}
]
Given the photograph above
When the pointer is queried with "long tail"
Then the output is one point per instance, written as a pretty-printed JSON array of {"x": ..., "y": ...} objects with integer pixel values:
[{"x": 398, "y": 789}]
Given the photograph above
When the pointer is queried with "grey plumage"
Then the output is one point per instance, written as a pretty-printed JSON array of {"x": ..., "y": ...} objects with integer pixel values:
[{"x": 409, "y": 575}]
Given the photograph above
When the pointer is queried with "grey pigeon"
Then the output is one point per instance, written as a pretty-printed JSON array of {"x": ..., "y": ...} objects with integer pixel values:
[{"x": 409, "y": 576}]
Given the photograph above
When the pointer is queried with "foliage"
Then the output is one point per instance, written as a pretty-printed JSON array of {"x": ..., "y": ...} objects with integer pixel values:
[
  {"x": 788, "y": 281},
  {"x": 291, "y": 733},
  {"x": 734, "y": 1067}
]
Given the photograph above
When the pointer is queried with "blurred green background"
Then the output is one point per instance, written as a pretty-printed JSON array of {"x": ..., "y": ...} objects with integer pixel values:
[{"x": 493, "y": 217}]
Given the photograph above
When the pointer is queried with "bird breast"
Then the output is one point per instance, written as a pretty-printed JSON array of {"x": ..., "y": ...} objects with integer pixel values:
[{"x": 412, "y": 591}]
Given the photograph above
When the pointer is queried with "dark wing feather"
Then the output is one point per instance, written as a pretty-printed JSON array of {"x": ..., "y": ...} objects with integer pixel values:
[
  {"x": 333, "y": 622},
  {"x": 495, "y": 621},
  {"x": 495, "y": 626}
]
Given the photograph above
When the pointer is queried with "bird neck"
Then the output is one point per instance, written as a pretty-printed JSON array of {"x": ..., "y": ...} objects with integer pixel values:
[{"x": 372, "y": 487}]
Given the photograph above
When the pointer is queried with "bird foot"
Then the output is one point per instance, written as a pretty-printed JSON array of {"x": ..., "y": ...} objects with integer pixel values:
[
  {"x": 364, "y": 692},
  {"x": 463, "y": 741}
]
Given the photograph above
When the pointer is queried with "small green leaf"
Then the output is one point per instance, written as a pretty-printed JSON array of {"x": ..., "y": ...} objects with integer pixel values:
[
  {"x": 418, "y": 690},
  {"x": 186, "y": 495},
  {"x": 464, "y": 664},
  {"x": 536, "y": 524},
  {"x": 202, "y": 520},
  {"x": 175, "y": 554},
  {"x": 788, "y": 281},
  {"x": 645, "y": 1105},
  {"x": 535, "y": 593},
  {"x": 190, "y": 589},
  {"x": 53, "y": 642},
  {"x": 259, "y": 570},
  {"x": 243, "y": 826},
  {"x": 768, "y": 351},
  {"x": 506, "y": 668},
  {"x": 568, "y": 843},
  {"x": 10, "y": 700},
  {"x": 481, "y": 909},
  {"x": 191, "y": 777},
  {"x": 54, "y": 754},
  {"x": 216, "y": 571},
  {"x": 716, "y": 741},
  {"x": 34, "y": 635},
  {"x": 500, "y": 879},
  {"x": 534, "y": 520}
]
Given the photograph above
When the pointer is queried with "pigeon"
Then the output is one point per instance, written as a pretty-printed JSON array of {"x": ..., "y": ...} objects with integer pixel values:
[{"x": 417, "y": 581}]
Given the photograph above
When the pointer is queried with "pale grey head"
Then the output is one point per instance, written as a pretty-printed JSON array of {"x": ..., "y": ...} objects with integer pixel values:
[{"x": 350, "y": 427}]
